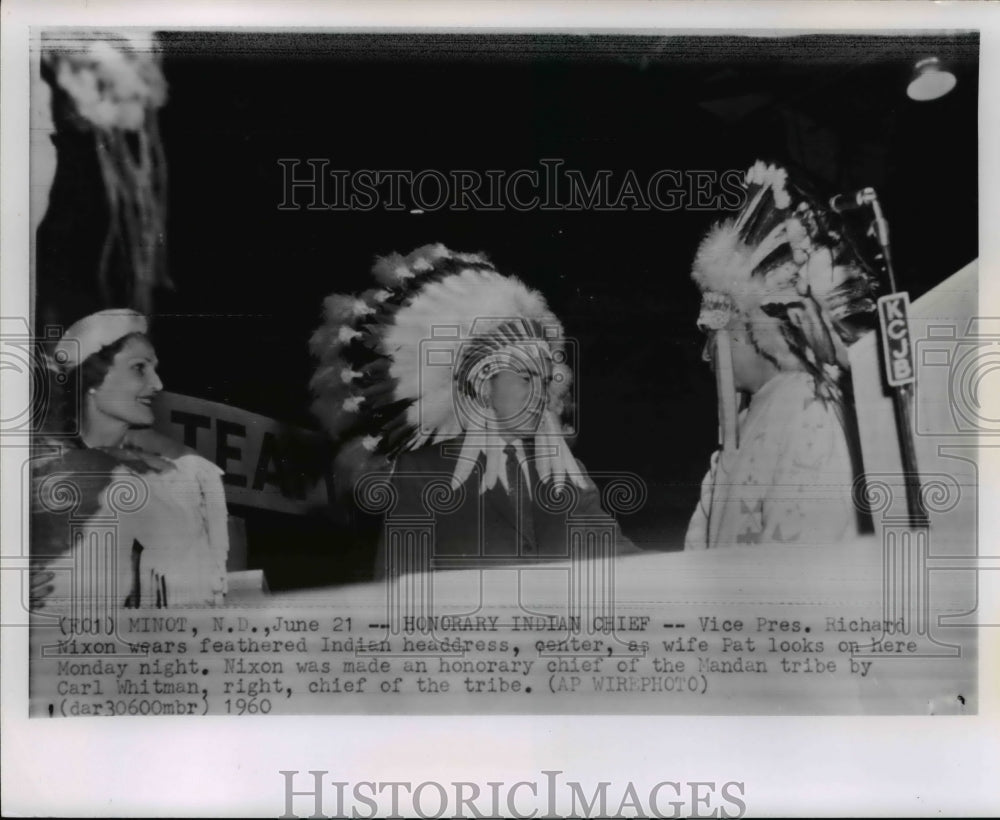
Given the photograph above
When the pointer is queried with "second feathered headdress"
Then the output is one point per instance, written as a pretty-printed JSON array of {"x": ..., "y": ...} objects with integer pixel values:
[{"x": 786, "y": 268}]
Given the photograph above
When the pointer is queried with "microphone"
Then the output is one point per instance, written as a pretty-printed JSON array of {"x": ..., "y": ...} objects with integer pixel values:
[
  {"x": 880, "y": 227},
  {"x": 852, "y": 201}
]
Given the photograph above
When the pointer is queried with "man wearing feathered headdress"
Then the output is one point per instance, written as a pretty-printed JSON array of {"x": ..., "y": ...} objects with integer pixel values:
[
  {"x": 456, "y": 378},
  {"x": 784, "y": 291}
]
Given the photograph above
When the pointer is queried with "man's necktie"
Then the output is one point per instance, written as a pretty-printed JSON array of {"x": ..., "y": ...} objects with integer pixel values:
[{"x": 520, "y": 500}]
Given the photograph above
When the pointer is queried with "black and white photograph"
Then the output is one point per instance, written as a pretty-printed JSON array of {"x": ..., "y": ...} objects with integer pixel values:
[{"x": 500, "y": 376}]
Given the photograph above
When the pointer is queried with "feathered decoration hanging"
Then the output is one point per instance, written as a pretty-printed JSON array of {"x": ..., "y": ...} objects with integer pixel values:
[
  {"x": 115, "y": 86},
  {"x": 400, "y": 364},
  {"x": 785, "y": 267}
]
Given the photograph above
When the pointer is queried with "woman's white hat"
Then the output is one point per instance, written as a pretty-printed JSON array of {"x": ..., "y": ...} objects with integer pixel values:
[{"x": 90, "y": 334}]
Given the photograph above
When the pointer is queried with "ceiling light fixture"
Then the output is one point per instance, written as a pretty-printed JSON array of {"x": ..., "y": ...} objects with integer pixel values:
[{"x": 930, "y": 81}]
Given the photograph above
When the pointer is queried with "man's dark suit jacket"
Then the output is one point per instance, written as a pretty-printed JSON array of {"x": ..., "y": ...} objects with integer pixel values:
[{"x": 477, "y": 530}]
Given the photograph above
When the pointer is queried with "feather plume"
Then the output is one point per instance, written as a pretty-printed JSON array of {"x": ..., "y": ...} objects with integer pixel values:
[
  {"x": 784, "y": 266},
  {"x": 390, "y": 270},
  {"x": 344, "y": 309}
]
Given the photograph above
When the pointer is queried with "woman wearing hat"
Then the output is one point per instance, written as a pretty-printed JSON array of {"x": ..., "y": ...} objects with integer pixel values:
[{"x": 102, "y": 463}]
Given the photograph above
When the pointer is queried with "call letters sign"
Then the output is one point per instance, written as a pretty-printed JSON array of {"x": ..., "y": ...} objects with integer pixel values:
[{"x": 897, "y": 351}]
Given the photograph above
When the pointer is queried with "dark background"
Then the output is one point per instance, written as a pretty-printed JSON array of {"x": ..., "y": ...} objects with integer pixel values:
[{"x": 250, "y": 279}]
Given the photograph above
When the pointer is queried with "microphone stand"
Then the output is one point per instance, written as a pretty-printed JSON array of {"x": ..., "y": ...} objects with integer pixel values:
[{"x": 902, "y": 394}]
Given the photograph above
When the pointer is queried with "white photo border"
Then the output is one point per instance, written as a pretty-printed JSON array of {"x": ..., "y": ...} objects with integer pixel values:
[{"x": 224, "y": 767}]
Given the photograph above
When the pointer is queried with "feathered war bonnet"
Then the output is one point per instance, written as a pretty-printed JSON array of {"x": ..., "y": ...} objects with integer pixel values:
[
  {"x": 403, "y": 365},
  {"x": 785, "y": 267}
]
